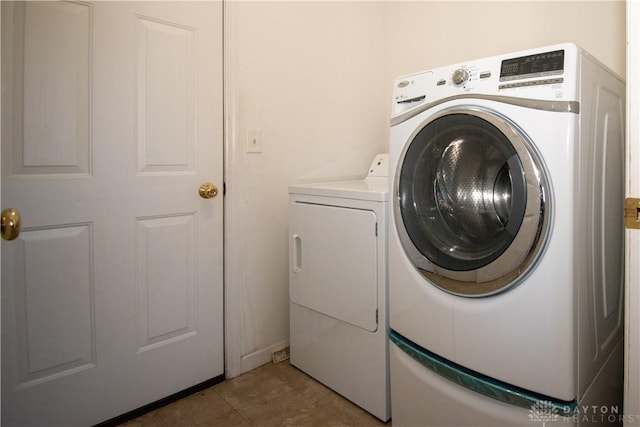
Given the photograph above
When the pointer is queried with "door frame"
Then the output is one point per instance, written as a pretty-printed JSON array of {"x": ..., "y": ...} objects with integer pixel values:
[
  {"x": 632, "y": 270},
  {"x": 232, "y": 294},
  {"x": 0, "y": 209}
]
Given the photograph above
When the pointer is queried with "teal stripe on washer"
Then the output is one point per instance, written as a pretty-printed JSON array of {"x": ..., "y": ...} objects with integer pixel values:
[{"x": 479, "y": 383}]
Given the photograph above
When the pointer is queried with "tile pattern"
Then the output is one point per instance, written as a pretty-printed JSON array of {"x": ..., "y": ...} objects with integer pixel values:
[{"x": 272, "y": 395}]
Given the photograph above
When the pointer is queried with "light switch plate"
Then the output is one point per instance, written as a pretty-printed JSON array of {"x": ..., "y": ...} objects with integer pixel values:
[{"x": 254, "y": 141}]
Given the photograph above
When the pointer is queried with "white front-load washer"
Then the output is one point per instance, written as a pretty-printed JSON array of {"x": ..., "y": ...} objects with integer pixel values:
[
  {"x": 506, "y": 239},
  {"x": 338, "y": 286}
]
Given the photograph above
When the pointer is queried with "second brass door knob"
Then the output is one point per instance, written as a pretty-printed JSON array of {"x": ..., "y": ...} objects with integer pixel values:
[{"x": 208, "y": 190}]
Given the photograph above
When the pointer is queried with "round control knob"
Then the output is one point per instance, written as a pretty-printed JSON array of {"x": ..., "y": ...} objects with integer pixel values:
[{"x": 460, "y": 77}]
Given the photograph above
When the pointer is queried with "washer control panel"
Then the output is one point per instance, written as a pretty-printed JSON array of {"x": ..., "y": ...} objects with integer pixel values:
[{"x": 544, "y": 74}]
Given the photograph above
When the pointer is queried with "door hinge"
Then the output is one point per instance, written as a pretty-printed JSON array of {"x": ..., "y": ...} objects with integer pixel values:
[
  {"x": 376, "y": 316},
  {"x": 632, "y": 213},
  {"x": 376, "y": 229}
]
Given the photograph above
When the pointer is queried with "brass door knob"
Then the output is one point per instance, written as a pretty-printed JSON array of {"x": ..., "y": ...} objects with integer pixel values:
[
  {"x": 10, "y": 224},
  {"x": 208, "y": 190}
]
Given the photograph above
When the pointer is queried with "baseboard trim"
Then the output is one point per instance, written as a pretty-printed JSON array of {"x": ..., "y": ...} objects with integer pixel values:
[{"x": 261, "y": 357}]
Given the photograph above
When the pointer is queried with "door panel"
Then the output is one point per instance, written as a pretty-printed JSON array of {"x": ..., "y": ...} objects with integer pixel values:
[
  {"x": 166, "y": 279},
  {"x": 112, "y": 294},
  {"x": 56, "y": 69},
  {"x": 57, "y": 336},
  {"x": 165, "y": 94}
]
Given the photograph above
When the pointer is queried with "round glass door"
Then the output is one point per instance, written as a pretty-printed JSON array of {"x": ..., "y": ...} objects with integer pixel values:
[{"x": 470, "y": 205}]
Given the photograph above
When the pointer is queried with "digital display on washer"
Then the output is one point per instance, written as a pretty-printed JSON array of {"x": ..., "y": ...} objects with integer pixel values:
[{"x": 538, "y": 65}]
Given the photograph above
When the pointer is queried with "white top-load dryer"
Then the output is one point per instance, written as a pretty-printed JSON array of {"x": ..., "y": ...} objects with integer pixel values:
[{"x": 338, "y": 286}]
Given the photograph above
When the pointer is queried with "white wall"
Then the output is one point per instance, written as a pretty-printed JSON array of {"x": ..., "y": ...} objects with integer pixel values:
[
  {"x": 310, "y": 76},
  {"x": 428, "y": 34},
  {"x": 315, "y": 78}
]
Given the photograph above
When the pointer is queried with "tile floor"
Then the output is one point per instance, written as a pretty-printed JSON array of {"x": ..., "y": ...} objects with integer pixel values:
[{"x": 272, "y": 395}]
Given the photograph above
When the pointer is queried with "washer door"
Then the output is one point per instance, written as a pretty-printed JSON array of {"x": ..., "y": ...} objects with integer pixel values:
[{"x": 471, "y": 208}]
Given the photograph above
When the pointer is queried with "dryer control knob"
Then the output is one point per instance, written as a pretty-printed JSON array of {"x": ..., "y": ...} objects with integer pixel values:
[{"x": 460, "y": 77}]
